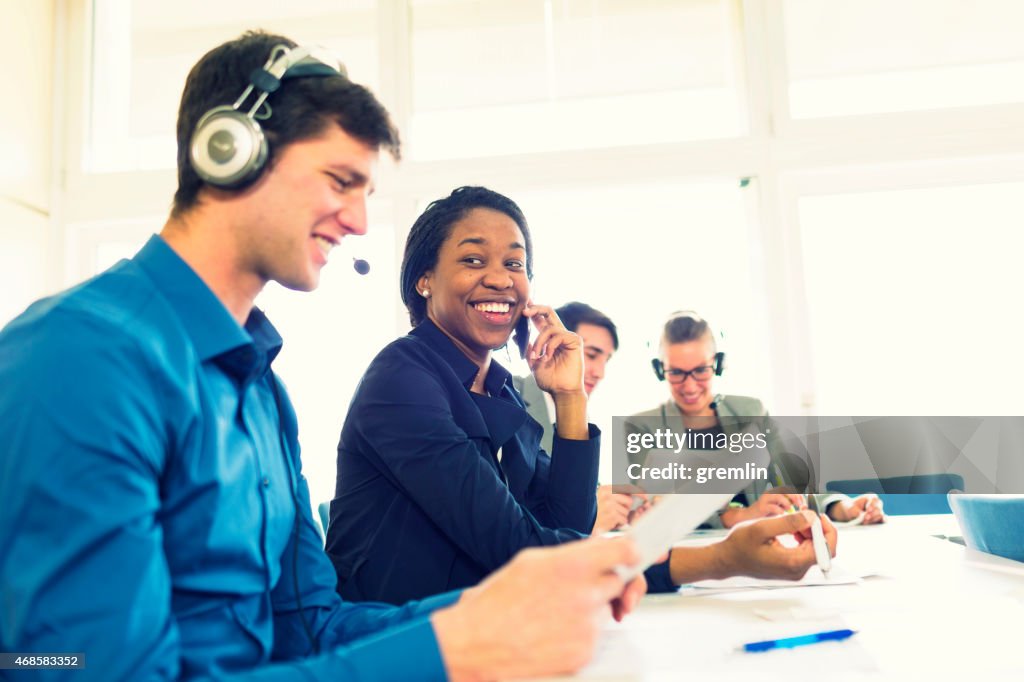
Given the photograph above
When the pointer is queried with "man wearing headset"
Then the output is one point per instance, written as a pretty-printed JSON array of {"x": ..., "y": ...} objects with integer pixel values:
[
  {"x": 156, "y": 523},
  {"x": 156, "y": 520}
]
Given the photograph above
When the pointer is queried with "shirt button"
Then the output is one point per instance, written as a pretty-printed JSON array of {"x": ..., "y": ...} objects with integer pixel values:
[{"x": 266, "y": 481}]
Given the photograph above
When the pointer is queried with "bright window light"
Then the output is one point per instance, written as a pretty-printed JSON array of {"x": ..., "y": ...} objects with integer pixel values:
[
  {"x": 911, "y": 300},
  {"x": 539, "y": 75},
  {"x": 143, "y": 50},
  {"x": 876, "y": 56}
]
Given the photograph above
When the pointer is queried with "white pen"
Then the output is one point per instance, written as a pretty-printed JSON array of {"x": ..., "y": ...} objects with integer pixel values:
[{"x": 821, "y": 553}]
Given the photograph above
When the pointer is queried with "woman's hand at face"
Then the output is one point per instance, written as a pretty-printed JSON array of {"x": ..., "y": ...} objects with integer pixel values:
[{"x": 556, "y": 355}]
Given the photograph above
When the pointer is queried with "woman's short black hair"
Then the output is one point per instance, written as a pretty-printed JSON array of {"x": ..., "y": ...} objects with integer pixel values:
[{"x": 431, "y": 230}]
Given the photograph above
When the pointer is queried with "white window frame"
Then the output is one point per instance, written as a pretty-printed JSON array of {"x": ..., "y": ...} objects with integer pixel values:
[{"x": 787, "y": 159}]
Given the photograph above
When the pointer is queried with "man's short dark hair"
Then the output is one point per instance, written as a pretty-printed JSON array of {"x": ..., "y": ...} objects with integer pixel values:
[
  {"x": 574, "y": 314},
  {"x": 302, "y": 107}
]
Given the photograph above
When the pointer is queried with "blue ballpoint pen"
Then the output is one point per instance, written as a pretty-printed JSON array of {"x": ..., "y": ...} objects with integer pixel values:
[{"x": 790, "y": 642}]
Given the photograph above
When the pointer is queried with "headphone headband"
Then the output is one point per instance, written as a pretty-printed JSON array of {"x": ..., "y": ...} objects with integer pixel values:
[{"x": 311, "y": 60}]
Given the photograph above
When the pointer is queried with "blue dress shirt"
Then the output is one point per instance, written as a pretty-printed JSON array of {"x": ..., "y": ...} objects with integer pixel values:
[{"x": 150, "y": 478}]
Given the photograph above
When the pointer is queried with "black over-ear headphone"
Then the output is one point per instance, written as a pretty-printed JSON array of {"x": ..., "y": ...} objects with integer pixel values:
[
  {"x": 718, "y": 363},
  {"x": 228, "y": 147}
]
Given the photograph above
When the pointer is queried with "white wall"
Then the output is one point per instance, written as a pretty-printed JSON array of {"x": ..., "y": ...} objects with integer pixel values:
[{"x": 26, "y": 248}]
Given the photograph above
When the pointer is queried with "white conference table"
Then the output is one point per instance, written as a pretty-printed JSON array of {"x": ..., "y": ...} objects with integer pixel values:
[{"x": 932, "y": 610}]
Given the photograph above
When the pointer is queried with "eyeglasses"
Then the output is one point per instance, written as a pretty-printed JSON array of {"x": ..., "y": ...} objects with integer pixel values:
[{"x": 678, "y": 376}]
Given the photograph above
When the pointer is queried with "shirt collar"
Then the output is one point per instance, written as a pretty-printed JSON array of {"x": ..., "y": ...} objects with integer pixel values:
[
  {"x": 464, "y": 368},
  {"x": 214, "y": 332}
]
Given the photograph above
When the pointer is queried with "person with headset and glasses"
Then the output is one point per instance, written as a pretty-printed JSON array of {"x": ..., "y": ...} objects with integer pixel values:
[
  {"x": 156, "y": 522},
  {"x": 689, "y": 360}
]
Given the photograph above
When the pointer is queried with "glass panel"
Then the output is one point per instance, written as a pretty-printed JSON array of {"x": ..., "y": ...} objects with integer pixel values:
[
  {"x": 911, "y": 297},
  {"x": 875, "y": 56},
  {"x": 536, "y": 75},
  {"x": 144, "y": 50}
]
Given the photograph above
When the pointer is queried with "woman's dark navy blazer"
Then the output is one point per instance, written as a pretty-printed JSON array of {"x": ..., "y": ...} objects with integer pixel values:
[{"x": 422, "y": 504}]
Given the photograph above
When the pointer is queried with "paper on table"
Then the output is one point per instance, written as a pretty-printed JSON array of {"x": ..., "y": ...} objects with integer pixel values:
[
  {"x": 801, "y": 614},
  {"x": 705, "y": 647},
  {"x": 814, "y": 577}
]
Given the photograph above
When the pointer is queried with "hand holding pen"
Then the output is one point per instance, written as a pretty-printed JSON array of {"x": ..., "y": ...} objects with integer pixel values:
[
  {"x": 753, "y": 549},
  {"x": 816, "y": 536}
]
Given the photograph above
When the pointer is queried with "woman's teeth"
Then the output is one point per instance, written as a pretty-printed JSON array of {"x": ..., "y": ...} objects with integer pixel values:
[{"x": 493, "y": 307}]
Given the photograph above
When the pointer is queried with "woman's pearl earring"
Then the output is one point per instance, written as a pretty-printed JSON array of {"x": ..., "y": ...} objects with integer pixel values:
[{"x": 425, "y": 293}]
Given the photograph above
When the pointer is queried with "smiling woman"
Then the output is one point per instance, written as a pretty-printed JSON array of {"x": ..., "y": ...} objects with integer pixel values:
[
  {"x": 441, "y": 479},
  {"x": 479, "y": 285}
]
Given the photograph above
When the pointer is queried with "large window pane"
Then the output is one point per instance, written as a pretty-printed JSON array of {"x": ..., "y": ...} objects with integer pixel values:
[
  {"x": 912, "y": 300},
  {"x": 535, "y": 75},
  {"x": 874, "y": 56},
  {"x": 143, "y": 50}
]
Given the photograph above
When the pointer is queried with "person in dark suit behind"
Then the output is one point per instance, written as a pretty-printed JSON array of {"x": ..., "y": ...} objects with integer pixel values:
[
  {"x": 441, "y": 479},
  {"x": 600, "y": 341}
]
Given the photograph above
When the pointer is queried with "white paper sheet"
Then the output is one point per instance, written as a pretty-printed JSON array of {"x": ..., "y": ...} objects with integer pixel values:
[{"x": 839, "y": 575}]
